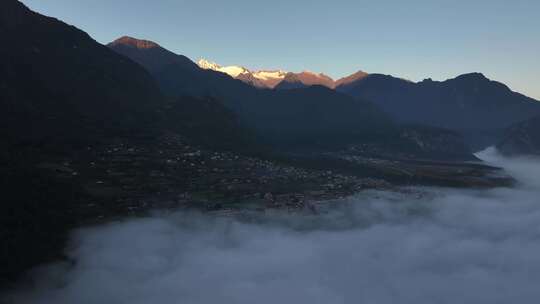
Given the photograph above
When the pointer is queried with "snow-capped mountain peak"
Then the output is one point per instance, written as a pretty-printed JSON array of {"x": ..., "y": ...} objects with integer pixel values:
[
  {"x": 265, "y": 79},
  {"x": 208, "y": 65},
  {"x": 233, "y": 70},
  {"x": 266, "y": 75},
  {"x": 278, "y": 79}
]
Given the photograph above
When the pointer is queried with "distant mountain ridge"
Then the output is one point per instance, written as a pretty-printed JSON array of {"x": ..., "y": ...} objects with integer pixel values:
[
  {"x": 455, "y": 104},
  {"x": 306, "y": 116},
  {"x": 305, "y": 79},
  {"x": 467, "y": 102},
  {"x": 136, "y": 43},
  {"x": 429, "y": 102},
  {"x": 150, "y": 54},
  {"x": 259, "y": 79},
  {"x": 278, "y": 79},
  {"x": 471, "y": 103}
]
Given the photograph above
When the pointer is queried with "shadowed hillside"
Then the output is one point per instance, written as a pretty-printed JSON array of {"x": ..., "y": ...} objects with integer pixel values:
[
  {"x": 522, "y": 138},
  {"x": 306, "y": 117},
  {"x": 466, "y": 103}
]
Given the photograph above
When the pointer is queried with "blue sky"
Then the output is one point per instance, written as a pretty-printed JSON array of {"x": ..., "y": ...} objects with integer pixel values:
[{"x": 409, "y": 39}]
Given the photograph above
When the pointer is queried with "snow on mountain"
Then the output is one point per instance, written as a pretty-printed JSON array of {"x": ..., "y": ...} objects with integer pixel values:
[
  {"x": 268, "y": 75},
  {"x": 270, "y": 78},
  {"x": 278, "y": 78},
  {"x": 233, "y": 70},
  {"x": 265, "y": 79},
  {"x": 208, "y": 65}
]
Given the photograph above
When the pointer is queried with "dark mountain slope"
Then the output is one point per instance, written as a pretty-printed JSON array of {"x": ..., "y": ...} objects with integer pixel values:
[
  {"x": 310, "y": 113},
  {"x": 467, "y": 102},
  {"x": 351, "y": 78},
  {"x": 59, "y": 91},
  {"x": 313, "y": 116},
  {"x": 522, "y": 138},
  {"x": 206, "y": 122},
  {"x": 57, "y": 81},
  {"x": 303, "y": 80},
  {"x": 176, "y": 74},
  {"x": 318, "y": 114},
  {"x": 149, "y": 54},
  {"x": 63, "y": 96},
  {"x": 306, "y": 79}
]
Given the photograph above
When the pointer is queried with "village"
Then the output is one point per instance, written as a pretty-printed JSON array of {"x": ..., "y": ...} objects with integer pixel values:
[{"x": 174, "y": 174}]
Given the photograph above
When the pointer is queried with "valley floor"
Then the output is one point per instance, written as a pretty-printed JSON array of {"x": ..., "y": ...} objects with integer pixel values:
[
  {"x": 415, "y": 245},
  {"x": 128, "y": 178},
  {"x": 122, "y": 178}
]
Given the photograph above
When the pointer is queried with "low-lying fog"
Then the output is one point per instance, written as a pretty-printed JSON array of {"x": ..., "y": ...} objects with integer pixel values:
[{"x": 426, "y": 245}]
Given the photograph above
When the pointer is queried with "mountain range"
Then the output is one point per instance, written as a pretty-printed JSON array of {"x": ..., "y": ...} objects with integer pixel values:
[
  {"x": 260, "y": 79},
  {"x": 94, "y": 89},
  {"x": 92, "y": 131},
  {"x": 295, "y": 117},
  {"x": 469, "y": 103},
  {"x": 279, "y": 79},
  {"x": 455, "y": 104},
  {"x": 276, "y": 115}
]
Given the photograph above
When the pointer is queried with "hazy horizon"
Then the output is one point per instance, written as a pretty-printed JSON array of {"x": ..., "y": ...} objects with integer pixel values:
[{"x": 415, "y": 41}]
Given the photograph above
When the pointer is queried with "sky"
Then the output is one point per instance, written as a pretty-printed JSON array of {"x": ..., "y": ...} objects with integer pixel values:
[{"x": 414, "y": 39}]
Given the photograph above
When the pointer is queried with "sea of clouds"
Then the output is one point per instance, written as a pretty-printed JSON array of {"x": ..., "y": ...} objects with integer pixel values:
[{"x": 423, "y": 245}]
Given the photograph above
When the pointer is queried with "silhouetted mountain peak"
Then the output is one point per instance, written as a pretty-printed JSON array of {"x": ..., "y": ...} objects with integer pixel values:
[
  {"x": 305, "y": 79},
  {"x": 58, "y": 80},
  {"x": 134, "y": 42},
  {"x": 351, "y": 78},
  {"x": 256, "y": 78},
  {"x": 472, "y": 76},
  {"x": 467, "y": 102},
  {"x": 149, "y": 54}
]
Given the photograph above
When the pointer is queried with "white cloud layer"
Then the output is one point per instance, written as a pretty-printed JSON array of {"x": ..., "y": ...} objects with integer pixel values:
[{"x": 426, "y": 246}]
